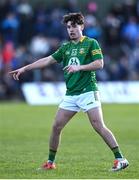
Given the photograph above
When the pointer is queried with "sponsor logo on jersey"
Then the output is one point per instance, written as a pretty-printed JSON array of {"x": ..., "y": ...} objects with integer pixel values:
[
  {"x": 74, "y": 52},
  {"x": 96, "y": 51},
  {"x": 74, "y": 61}
]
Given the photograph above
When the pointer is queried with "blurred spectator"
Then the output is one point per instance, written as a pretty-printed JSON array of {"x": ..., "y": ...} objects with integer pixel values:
[
  {"x": 129, "y": 8},
  {"x": 134, "y": 62},
  {"x": 112, "y": 27},
  {"x": 137, "y": 8},
  {"x": 24, "y": 8},
  {"x": 130, "y": 31},
  {"x": 72, "y": 6},
  {"x": 40, "y": 24},
  {"x": 8, "y": 54},
  {"x": 56, "y": 27},
  {"x": 25, "y": 13},
  {"x": 39, "y": 46},
  {"x": 92, "y": 7},
  {"x": 92, "y": 28},
  {"x": 10, "y": 27},
  {"x": 123, "y": 68}
]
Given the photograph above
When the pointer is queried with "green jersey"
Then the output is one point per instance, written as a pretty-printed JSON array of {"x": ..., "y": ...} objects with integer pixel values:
[{"x": 84, "y": 52}]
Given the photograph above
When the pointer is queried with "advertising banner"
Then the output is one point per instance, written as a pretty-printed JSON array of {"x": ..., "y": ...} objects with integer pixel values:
[{"x": 52, "y": 93}]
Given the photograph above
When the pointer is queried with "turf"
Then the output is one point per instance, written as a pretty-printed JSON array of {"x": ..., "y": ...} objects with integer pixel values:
[{"x": 24, "y": 136}]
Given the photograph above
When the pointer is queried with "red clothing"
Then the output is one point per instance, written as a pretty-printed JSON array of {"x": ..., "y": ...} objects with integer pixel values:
[{"x": 8, "y": 53}]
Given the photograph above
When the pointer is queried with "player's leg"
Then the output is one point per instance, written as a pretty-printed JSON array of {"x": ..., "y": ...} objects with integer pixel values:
[
  {"x": 96, "y": 119},
  {"x": 62, "y": 118}
]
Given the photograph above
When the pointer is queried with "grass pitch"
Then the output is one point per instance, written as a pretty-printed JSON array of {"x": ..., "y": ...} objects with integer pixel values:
[{"x": 24, "y": 136}]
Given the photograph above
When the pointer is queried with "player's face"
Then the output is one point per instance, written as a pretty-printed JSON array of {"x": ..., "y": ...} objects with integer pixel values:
[{"x": 74, "y": 30}]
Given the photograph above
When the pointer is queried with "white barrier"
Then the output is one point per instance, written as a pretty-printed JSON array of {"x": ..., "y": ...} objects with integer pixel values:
[
  {"x": 52, "y": 93},
  {"x": 119, "y": 92},
  {"x": 43, "y": 93}
]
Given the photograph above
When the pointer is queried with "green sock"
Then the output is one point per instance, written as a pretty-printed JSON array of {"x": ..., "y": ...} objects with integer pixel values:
[
  {"x": 117, "y": 153},
  {"x": 52, "y": 155}
]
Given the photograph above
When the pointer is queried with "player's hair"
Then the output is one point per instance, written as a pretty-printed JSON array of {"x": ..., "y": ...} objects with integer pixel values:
[{"x": 75, "y": 18}]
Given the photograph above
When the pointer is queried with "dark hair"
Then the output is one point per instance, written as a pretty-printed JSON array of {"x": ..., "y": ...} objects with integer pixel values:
[{"x": 75, "y": 18}]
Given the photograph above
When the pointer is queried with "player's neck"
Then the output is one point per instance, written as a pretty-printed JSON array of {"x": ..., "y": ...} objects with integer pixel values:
[{"x": 78, "y": 39}]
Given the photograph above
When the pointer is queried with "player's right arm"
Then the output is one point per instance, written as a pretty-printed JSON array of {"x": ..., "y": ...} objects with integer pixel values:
[{"x": 36, "y": 65}]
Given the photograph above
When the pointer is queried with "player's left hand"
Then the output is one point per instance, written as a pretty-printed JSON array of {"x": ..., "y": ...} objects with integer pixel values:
[{"x": 72, "y": 68}]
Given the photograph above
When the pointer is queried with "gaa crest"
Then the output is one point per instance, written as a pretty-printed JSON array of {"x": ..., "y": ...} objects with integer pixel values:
[{"x": 82, "y": 51}]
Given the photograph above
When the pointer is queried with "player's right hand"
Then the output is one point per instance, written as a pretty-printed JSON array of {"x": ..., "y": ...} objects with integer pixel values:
[{"x": 17, "y": 73}]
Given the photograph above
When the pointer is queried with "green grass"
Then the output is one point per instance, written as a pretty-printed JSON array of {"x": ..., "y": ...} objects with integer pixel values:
[{"x": 24, "y": 136}]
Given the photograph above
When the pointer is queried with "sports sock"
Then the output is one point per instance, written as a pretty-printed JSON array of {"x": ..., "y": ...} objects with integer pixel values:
[
  {"x": 52, "y": 155},
  {"x": 117, "y": 153}
]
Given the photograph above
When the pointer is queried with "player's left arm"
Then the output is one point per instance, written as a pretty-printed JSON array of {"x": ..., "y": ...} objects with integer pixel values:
[
  {"x": 97, "y": 64},
  {"x": 93, "y": 66}
]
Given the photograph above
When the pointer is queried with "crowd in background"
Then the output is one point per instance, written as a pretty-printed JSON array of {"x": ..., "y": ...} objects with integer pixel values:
[{"x": 28, "y": 33}]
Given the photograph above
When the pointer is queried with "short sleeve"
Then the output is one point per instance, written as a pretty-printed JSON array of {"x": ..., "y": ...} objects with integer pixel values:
[
  {"x": 96, "y": 51},
  {"x": 58, "y": 55}
]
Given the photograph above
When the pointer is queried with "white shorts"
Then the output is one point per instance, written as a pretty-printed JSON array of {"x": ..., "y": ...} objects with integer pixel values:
[{"x": 82, "y": 102}]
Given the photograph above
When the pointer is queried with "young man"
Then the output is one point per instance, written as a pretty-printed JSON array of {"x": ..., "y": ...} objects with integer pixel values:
[{"x": 81, "y": 57}]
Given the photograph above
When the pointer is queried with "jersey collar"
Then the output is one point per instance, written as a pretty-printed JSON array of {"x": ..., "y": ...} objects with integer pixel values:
[{"x": 82, "y": 38}]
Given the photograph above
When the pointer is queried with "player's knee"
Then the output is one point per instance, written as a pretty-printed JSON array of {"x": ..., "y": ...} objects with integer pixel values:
[
  {"x": 99, "y": 127},
  {"x": 57, "y": 128}
]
